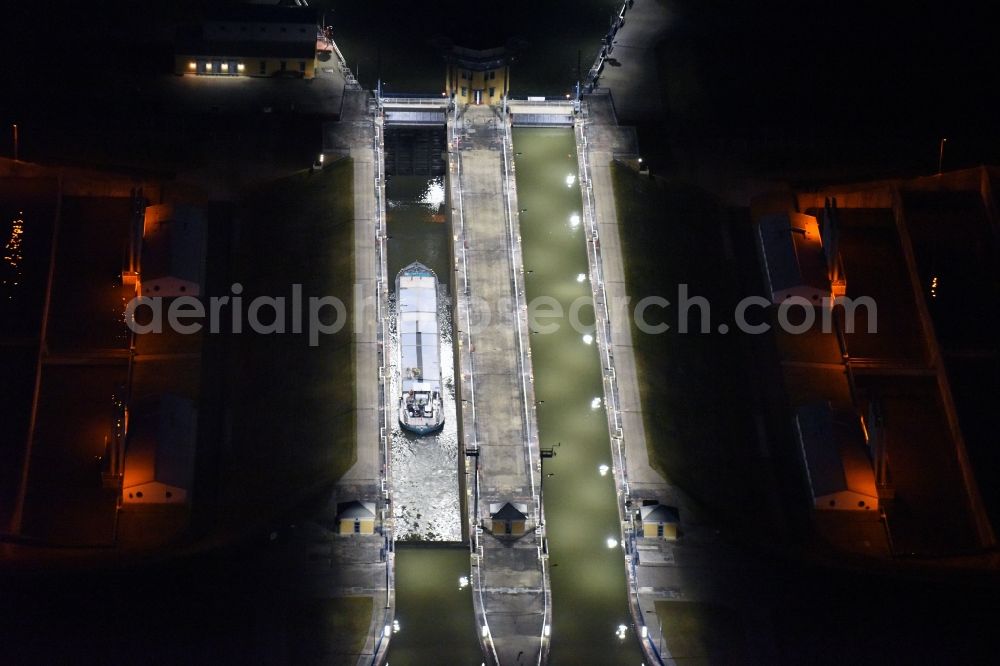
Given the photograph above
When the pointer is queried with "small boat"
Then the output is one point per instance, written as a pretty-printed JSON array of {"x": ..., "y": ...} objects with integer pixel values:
[{"x": 420, "y": 403}]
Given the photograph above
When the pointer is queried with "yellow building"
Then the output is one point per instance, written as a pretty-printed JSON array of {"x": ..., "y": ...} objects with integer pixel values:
[
  {"x": 508, "y": 519},
  {"x": 300, "y": 64},
  {"x": 250, "y": 40},
  {"x": 659, "y": 521},
  {"x": 356, "y": 517},
  {"x": 475, "y": 76}
]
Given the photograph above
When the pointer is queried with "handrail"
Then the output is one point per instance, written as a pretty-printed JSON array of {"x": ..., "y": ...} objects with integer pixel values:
[
  {"x": 381, "y": 300},
  {"x": 523, "y": 349},
  {"x": 595, "y": 70},
  {"x": 512, "y": 101},
  {"x": 434, "y": 101}
]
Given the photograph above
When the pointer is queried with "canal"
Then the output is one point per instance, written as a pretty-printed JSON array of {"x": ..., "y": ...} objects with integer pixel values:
[
  {"x": 436, "y": 620},
  {"x": 588, "y": 569},
  {"x": 437, "y": 624},
  {"x": 424, "y": 469}
]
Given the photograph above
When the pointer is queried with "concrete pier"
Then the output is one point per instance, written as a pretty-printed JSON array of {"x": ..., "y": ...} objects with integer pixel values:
[
  {"x": 699, "y": 567},
  {"x": 365, "y": 562},
  {"x": 510, "y": 581}
]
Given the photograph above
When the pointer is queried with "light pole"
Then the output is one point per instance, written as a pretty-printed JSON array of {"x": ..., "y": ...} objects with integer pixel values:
[
  {"x": 543, "y": 455},
  {"x": 15, "y": 141},
  {"x": 941, "y": 155},
  {"x": 474, "y": 453}
]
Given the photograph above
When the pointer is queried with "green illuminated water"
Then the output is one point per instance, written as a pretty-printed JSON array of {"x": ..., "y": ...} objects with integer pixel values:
[
  {"x": 588, "y": 577},
  {"x": 436, "y": 620}
]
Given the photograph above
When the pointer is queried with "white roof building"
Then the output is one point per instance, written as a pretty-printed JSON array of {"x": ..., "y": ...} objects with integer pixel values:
[
  {"x": 839, "y": 472},
  {"x": 159, "y": 450},
  {"x": 791, "y": 252},
  {"x": 173, "y": 251}
]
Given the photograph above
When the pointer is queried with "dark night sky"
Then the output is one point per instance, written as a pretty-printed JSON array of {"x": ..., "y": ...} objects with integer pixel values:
[
  {"x": 858, "y": 70},
  {"x": 854, "y": 64}
]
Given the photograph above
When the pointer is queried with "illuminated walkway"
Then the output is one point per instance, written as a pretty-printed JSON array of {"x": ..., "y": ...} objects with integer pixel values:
[
  {"x": 508, "y": 577},
  {"x": 365, "y": 563}
]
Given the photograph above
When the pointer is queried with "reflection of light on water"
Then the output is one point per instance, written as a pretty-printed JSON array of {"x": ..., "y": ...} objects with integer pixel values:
[
  {"x": 425, "y": 477},
  {"x": 12, "y": 250},
  {"x": 12, "y": 255},
  {"x": 433, "y": 196},
  {"x": 425, "y": 469},
  {"x": 429, "y": 198}
]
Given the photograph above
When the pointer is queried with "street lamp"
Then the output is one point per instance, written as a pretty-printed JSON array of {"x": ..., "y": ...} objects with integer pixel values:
[
  {"x": 14, "y": 126},
  {"x": 471, "y": 452},
  {"x": 543, "y": 455},
  {"x": 941, "y": 155}
]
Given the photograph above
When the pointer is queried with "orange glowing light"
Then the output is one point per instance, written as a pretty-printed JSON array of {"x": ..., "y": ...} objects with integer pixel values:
[{"x": 13, "y": 256}]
